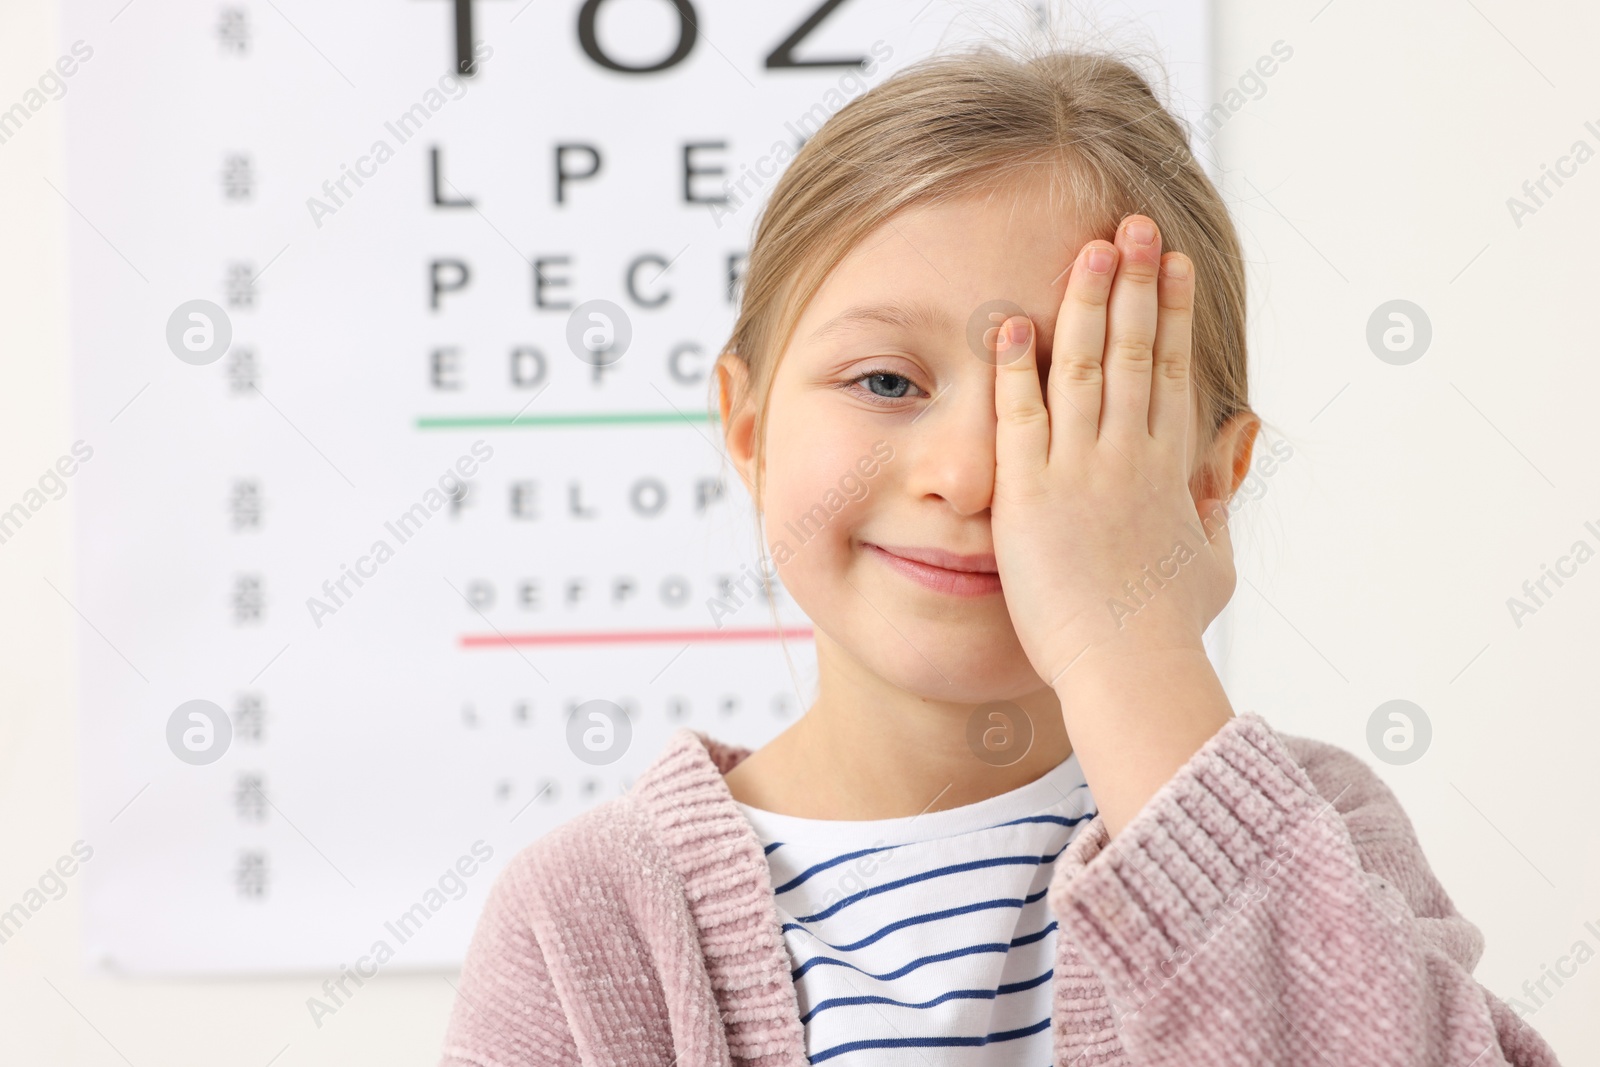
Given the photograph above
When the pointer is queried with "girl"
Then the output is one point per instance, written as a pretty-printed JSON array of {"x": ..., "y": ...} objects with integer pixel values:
[{"x": 998, "y": 301}]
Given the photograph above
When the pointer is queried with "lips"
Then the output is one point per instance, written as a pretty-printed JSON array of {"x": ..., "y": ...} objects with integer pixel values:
[
  {"x": 943, "y": 572},
  {"x": 938, "y": 557}
]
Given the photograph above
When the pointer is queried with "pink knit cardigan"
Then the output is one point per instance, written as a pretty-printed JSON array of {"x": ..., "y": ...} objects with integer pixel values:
[{"x": 1269, "y": 905}]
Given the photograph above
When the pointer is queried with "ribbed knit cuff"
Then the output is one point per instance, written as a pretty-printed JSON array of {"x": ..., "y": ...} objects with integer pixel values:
[{"x": 1215, "y": 837}]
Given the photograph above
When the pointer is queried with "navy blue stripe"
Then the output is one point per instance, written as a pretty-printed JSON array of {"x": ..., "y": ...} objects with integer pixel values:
[
  {"x": 1028, "y": 939},
  {"x": 1017, "y": 987},
  {"x": 900, "y": 924},
  {"x": 932, "y": 1042},
  {"x": 954, "y": 994},
  {"x": 834, "y": 862},
  {"x": 923, "y": 961},
  {"x": 1059, "y": 820},
  {"x": 770, "y": 849},
  {"x": 972, "y": 865}
]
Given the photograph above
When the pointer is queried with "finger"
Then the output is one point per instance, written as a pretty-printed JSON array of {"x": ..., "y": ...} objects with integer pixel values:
[
  {"x": 1022, "y": 433},
  {"x": 1131, "y": 333},
  {"x": 1170, "y": 391},
  {"x": 1076, "y": 350}
]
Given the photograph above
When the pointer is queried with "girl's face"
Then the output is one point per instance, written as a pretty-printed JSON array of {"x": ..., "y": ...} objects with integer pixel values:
[{"x": 901, "y": 306}]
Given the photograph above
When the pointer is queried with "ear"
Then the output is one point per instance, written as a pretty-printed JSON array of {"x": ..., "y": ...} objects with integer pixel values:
[
  {"x": 738, "y": 416},
  {"x": 1242, "y": 429},
  {"x": 1228, "y": 458}
]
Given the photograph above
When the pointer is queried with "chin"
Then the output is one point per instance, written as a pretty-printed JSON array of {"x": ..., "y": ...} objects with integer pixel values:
[{"x": 974, "y": 675}]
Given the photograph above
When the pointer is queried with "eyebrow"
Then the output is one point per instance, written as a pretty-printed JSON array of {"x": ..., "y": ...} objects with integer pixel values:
[{"x": 910, "y": 315}]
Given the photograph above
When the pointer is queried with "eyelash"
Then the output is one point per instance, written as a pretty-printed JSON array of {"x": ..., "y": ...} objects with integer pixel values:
[{"x": 873, "y": 398}]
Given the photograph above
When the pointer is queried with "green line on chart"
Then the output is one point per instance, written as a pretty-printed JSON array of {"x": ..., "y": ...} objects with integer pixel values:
[{"x": 533, "y": 422}]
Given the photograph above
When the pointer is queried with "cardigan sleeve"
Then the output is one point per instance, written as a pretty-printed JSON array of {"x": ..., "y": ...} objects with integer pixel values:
[
  {"x": 506, "y": 1012},
  {"x": 1261, "y": 911}
]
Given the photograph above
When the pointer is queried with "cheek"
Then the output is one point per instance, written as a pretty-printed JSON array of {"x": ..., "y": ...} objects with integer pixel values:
[
  {"x": 815, "y": 493},
  {"x": 815, "y": 452}
]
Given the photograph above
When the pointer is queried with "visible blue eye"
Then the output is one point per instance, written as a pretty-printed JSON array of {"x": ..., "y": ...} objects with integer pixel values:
[{"x": 895, "y": 384}]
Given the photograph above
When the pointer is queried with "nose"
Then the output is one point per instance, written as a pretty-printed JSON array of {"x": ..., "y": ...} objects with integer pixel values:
[{"x": 951, "y": 447}]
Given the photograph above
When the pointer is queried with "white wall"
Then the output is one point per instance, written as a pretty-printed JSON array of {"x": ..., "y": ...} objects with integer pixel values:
[{"x": 1377, "y": 565}]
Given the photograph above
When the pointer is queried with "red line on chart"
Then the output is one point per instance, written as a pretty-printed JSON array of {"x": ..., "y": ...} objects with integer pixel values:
[{"x": 632, "y": 637}]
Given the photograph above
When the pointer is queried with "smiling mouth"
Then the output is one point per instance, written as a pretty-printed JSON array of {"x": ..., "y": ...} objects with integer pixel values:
[{"x": 964, "y": 576}]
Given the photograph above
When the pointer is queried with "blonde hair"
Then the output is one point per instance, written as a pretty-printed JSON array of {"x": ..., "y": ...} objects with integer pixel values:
[{"x": 954, "y": 124}]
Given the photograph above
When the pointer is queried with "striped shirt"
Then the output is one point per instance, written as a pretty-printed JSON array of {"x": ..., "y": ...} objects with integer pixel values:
[{"x": 926, "y": 941}]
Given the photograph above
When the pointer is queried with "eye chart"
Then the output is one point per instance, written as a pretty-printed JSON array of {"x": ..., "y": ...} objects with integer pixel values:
[{"x": 392, "y": 323}]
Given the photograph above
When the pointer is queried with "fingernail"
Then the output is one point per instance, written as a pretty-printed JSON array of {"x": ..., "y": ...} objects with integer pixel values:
[
  {"x": 1017, "y": 330},
  {"x": 1176, "y": 268},
  {"x": 1098, "y": 259},
  {"x": 1142, "y": 231}
]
